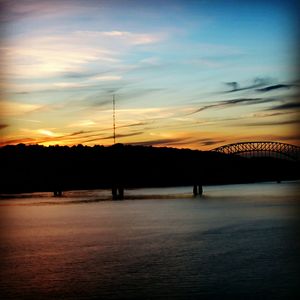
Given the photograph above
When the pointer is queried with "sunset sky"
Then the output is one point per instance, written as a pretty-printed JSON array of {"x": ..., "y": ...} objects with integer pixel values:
[{"x": 186, "y": 74}]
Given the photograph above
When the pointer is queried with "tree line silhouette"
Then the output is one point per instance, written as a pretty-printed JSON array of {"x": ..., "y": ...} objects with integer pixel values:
[{"x": 56, "y": 168}]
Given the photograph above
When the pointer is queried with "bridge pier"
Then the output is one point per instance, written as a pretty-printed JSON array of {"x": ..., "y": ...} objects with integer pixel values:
[
  {"x": 197, "y": 190},
  {"x": 57, "y": 193},
  {"x": 200, "y": 189},
  {"x": 117, "y": 192}
]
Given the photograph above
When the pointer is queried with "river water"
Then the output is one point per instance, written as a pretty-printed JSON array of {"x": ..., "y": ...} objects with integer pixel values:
[{"x": 235, "y": 242}]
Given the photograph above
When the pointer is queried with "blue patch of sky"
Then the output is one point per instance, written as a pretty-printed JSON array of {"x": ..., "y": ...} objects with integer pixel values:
[{"x": 263, "y": 33}]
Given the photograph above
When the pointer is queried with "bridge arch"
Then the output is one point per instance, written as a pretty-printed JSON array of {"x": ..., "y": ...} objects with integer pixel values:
[{"x": 283, "y": 150}]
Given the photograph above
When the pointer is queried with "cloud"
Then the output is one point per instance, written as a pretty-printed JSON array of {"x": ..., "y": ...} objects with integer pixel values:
[
  {"x": 295, "y": 137},
  {"x": 74, "y": 56},
  {"x": 49, "y": 56},
  {"x": 134, "y": 124},
  {"x": 273, "y": 123},
  {"x": 257, "y": 82},
  {"x": 46, "y": 132},
  {"x": 206, "y": 62},
  {"x": 233, "y": 84},
  {"x": 114, "y": 39},
  {"x": 79, "y": 75},
  {"x": 286, "y": 106},
  {"x": 195, "y": 142},
  {"x": 81, "y": 136},
  {"x": 133, "y": 38},
  {"x": 15, "y": 10},
  {"x": 53, "y": 138},
  {"x": 268, "y": 114},
  {"x": 100, "y": 131},
  {"x": 106, "y": 77},
  {"x": 181, "y": 141},
  {"x": 17, "y": 141},
  {"x": 123, "y": 135},
  {"x": 27, "y": 120},
  {"x": 209, "y": 141},
  {"x": 268, "y": 137},
  {"x": 118, "y": 136},
  {"x": 82, "y": 123},
  {"x": 275, "y": 87},
  {"x": 98, "y": 82},
  {"x": 231, "y": 102},
  {"x": 3, "y": 126},
  {"x": 9, "y": 108},
  {"x": 158, "y": 142},
  {"x": 78, "y": 133},
  {"x": 35, "y": 56}
]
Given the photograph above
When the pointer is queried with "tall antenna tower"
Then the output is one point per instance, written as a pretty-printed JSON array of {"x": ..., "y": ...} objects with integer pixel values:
[{"x": 114, "y": 118}]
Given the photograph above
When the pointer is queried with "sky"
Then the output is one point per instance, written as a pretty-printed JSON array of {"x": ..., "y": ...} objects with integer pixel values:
[{"x": 184, "y": 74}]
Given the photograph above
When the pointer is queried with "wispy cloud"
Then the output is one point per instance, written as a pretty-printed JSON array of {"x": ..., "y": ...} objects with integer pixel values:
[
  {"x": 130, "y": 38},
  {"x": 275, "y": 87},
  {"x": 210, "y": 141},
  {"x": 257, "y": 82},
  {"x": 180, "y": 141},
  {"x": 286, "y": 106},
  {"x": 17, "y": 141},
  {"x": 271, "y": 137},
  {"x": 231, "y": 102},
  {"x": 51, "y": 136},
  {"x": 27, "y": 120},
  {"x": 10, "y": 108},
  {"x": 273, "y": 123},
  {"x": 110, "y": 137},
  {"x": 51, "y": 55},
  {"x": 82, "y": 123},
  {"x": 3, "y": 126},
  {"x": 264, "y": 114},
  {"x": 58, "y": 10},
  {"x": 157, "y": 142},
  {"x": 46, "y": 132},
  {"x": 35, "y": 57}
]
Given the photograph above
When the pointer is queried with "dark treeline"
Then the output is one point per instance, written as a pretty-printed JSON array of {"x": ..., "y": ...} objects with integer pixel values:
[{"x": 39, "y": 168}]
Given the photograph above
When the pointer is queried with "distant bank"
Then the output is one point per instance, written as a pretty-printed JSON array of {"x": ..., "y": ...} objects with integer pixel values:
[{"x": 58, "y": 168}]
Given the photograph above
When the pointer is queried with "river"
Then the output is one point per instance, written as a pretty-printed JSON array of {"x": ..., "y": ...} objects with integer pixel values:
[{"x": 234, "y": 242}]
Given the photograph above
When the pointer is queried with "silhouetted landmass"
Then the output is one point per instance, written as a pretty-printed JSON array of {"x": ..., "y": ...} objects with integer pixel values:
[{"x": 54, "y": 168}]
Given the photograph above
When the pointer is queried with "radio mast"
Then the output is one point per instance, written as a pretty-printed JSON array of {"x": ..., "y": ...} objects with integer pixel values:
[{"x": 114, "y": 118}]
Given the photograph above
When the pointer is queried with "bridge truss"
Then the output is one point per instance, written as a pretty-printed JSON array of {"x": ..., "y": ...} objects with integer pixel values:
[{"x": 267, "y": 149}]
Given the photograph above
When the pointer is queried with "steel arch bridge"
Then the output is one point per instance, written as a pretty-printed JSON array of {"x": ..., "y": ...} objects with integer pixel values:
[{"x": 274, "y": 149}]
